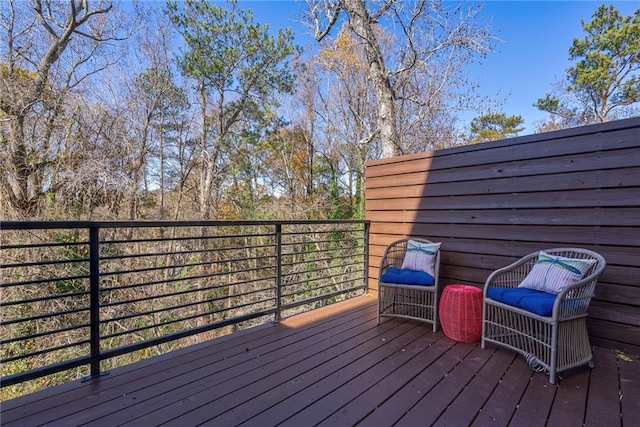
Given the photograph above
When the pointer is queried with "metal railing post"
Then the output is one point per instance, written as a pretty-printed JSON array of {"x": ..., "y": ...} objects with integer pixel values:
[
  {"x": 366, "y": 257},
  {"x": 94, "y": 297},
  {"x": 278, "y": 315}
]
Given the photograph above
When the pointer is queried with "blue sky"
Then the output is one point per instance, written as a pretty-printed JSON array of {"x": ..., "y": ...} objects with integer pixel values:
[{"x": 536, "y": 38}]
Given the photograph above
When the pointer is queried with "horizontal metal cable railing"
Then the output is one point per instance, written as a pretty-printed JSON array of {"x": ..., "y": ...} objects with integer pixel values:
[{"x": 76, "y": 294}]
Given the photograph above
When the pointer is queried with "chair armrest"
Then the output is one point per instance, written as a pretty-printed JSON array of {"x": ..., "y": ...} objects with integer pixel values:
[
  {"x": 393, "y": 256},
  {"x": 574, "y": 300}
]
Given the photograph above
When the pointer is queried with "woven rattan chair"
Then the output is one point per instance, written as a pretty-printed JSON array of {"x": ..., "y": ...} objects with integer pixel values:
[
  {"x": 418, "y": 302},
  {"x": 551, "y": 343}
]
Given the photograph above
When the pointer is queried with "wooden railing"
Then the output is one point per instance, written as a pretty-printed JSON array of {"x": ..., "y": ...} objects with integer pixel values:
[{"x": 77, "y": 294}]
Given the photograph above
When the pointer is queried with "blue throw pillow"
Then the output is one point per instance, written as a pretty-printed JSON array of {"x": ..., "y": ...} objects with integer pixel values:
[
  {"x": 534, "y": 301},
  {"x": 406, "y": 276}
]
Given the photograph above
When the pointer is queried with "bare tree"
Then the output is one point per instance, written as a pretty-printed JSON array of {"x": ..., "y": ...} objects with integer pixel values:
[
  {"x": 348, "y": 111},
  {"x": 428, "y": 32},
  {"x": 49, "y": 49}
]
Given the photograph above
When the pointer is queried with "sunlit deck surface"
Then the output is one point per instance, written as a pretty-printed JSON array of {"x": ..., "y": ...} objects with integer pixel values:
[{"x": 335, "y": 366}]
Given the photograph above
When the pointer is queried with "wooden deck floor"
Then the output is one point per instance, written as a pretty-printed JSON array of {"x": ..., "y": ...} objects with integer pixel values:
[{"x": 335, "y": 366}]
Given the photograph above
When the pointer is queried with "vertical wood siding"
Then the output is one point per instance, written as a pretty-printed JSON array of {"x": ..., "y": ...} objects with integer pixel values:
[{"x": 491, "y": 203}]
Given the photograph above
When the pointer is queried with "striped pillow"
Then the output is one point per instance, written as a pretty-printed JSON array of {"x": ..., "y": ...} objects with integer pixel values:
[
  {"x": 555, "y": 273},
  {"x": 421, "y": 256}
]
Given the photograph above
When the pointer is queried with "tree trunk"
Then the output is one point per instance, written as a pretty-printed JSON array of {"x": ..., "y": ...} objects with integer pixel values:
[
  {"x": 23, "y": 165},
  {"x": 362, "y": 24},
  {"x": 15, "y": 178},
  {"x": 206, "y": 175}
]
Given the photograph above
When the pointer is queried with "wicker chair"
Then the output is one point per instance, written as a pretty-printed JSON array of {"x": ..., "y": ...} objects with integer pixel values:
[
  {"x": 417, "y": 302},
  {"x": 550, "y": 343}
]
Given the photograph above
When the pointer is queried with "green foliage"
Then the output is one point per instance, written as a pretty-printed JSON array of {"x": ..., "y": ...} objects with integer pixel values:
[
  {"x": 495, "y": 126},
  {"x": 240, "y": 70},
  {"x": 610, "y": 50},
  {"x": 604, "y": 82},
  {"x": 159, "y": 93},
  {"x": 227, "y": 51}
]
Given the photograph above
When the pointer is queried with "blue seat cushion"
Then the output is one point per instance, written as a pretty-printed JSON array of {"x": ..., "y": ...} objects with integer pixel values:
[
  {"x": 532, "y": 300},
  {"x": 406, "y": 276}
]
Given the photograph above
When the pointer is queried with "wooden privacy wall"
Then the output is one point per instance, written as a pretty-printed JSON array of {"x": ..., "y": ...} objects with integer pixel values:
[{"x": 491, "y": 203}]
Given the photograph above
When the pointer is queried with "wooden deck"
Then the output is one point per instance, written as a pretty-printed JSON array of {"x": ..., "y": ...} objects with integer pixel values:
[{"x": 335, "y": 366}]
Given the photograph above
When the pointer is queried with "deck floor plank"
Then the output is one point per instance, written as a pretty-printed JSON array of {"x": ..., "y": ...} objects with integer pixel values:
[
  {"x": 405, "y": 399},
  {"x": 188, "y": 372},
  {"x": 335, "y": 366},
  {"x": 236, "y": 375},
  {"x": 570, "y": 402},
  {"x": 603, "y": 402},
  {"x": 346, "y": 384},
  {"x": 157, "y": 370},
  {"x": 501, "y": 404},
  {"x": 292, "y": 383},
  {"x": 462, "y": 411},
  {"x": 535, "y": 405},
  {"x": 629, "y": 368},
  {"x": 433, "y": 404},
  {"x": 183, "y": 368},
  {"x": 390, "y": 383}
]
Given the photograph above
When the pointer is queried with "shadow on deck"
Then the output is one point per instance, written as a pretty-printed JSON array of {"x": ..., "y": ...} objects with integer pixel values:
[{"x": 335, "y": 366}]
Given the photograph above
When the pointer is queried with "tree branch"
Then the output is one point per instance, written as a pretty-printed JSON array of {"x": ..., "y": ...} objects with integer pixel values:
[
  {"x": 333, "y": 12},
  {"x": 407, "y": 32},
  {"x": 387, "y": 5}
]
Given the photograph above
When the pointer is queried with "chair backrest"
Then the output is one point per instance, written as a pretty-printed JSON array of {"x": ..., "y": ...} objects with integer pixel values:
[
  {"x": 394, "y": 254},
  {"x": 596, "y": 269},
  {"x": 585, "y": 287}
]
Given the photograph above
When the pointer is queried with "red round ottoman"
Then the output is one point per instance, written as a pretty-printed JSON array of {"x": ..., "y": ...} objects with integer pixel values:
[{"x": 461, "y": 312}]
